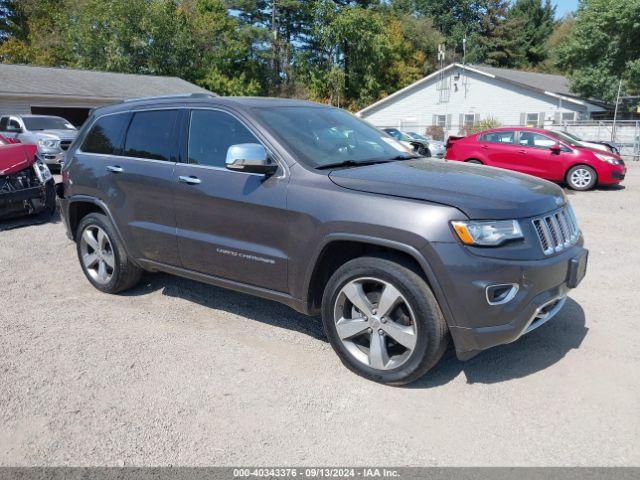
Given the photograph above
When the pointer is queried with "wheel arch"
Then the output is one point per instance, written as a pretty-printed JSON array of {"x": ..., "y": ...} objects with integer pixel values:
[{"x": 337, "y": 249}]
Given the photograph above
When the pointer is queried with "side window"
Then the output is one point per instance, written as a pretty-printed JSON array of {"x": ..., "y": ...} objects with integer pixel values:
[
  {"x": 4, "y": 121},
  {"x": 211, "y": 133},
  {"x": 535, "y": 140},
  {"x": 150, "y": 135},
  {"x": 507, "y": 137},
  {"x": 106, "y": 134},
  {"x": 14, "y": 124}
]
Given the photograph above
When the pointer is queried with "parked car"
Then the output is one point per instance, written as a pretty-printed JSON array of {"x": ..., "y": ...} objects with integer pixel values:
[
  {"x": 436, "y": 148},
  {"x": 540, "y": 153},
  {"x": 26, "y": 184},
  {"x": 52, "y": 135},
  {"x": 596, "y": 144},
  {"x": 419, "y": 146},
  {"x": 398, "y": 253}
]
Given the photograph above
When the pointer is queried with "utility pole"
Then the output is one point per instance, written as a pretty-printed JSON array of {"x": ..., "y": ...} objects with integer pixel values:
[
  {"x": 274, "y": 45},
  {"x": 615, "y": 113}
]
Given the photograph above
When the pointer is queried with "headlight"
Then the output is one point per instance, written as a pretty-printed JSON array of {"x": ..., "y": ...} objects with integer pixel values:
[
  {"x": 48, "y": 143},
  {"x": 487, "y": 234},
  {"x": 42, "y": 171},
  {"x": 607, "y": 158}
]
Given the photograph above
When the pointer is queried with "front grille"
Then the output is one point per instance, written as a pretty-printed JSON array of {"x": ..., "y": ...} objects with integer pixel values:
[
  {"x": 557, "y": 231},
  {"x": 65, "y": 144}
]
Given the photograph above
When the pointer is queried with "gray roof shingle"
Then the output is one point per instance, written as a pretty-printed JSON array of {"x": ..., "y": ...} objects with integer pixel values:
[
  {"x": 67, "y": 82},
  {"x": 541, "y": 81}
]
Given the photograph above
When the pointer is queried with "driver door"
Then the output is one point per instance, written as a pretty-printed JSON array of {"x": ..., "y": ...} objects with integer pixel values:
[
  {"x": 230, "y": 224},
  {"x": 537, "y": 157}
]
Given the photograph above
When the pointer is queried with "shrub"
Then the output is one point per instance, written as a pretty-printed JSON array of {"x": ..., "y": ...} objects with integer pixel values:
[{"x": 435, "y": 131}]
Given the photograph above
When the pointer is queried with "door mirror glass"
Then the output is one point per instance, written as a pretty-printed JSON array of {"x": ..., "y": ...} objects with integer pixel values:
[{"x": 250, "y": 158}]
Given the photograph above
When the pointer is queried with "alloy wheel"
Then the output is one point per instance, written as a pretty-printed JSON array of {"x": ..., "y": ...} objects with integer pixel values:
[
  {"x": 375, "y": 323},
  {"x": 581, "y": 177},
  {"x": 97, "y": 254}
]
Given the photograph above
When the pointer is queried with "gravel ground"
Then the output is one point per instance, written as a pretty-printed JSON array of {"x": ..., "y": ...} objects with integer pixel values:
[{"x": 180, "y": 373}]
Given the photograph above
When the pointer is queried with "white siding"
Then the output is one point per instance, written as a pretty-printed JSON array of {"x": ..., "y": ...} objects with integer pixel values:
[{"x": 484, "y": 97}]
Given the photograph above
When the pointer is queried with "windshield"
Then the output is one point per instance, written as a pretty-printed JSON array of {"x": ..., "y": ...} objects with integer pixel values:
[
  {"x": 47, "y": 123},
  {"x": 567, "y": 138},
  {"x": 320, "y": 136}
]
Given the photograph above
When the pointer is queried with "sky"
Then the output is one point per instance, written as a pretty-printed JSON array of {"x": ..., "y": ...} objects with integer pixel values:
[{"x": 564, "y": 6}]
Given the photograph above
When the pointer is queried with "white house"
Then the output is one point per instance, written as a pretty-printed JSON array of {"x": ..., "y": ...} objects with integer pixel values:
[{"x": 460, "y": 95}]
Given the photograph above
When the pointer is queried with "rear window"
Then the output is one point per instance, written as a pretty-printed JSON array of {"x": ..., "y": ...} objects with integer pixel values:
[
  {"x": 498, "y": 137},
  {"x": 150, "y": 135},
  {"x": 106, "y": 134}
]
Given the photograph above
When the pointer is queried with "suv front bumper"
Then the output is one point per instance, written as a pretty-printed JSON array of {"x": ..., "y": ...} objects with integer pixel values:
[{"x": 542, "y": 287}]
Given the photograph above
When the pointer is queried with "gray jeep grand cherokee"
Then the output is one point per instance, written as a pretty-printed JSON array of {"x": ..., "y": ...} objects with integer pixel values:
[{"x": 309, "y": 206}]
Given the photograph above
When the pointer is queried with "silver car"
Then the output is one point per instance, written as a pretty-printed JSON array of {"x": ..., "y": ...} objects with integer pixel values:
[
  {"x": 437, "y": 148},
  {"x": 53, "y": 135}
]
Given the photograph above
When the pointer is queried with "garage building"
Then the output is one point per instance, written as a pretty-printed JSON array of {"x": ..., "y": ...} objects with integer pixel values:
[
  {"x": 458, "y": 96},
  {"x": 71, "y": 93}
]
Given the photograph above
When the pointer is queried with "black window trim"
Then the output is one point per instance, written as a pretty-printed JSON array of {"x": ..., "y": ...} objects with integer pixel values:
[{"x": 184, "y": 153}]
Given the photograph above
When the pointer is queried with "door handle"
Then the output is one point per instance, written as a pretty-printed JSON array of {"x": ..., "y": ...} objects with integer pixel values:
[
  {"x": 189, "y": 180},
  {"x": 114, "y": 169},
  {"x": 522, "y": 151}
]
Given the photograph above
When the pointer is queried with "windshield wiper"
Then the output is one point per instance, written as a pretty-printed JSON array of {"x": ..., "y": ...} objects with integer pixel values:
[
  {"x": 405, "y": 157},
  {"x": 351, "y": 163}
]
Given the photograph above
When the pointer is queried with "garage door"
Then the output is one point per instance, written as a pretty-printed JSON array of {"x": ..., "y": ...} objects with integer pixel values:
[{"x": 75, "y": 115}]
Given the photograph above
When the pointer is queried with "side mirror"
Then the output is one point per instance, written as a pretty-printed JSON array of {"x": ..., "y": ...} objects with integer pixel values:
[
  {"x": 555, "y": 149},
  {"x": 250, "y": 158}
]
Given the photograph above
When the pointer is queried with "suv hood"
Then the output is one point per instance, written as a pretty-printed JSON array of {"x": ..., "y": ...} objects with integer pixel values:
[
  {"x": 479, "y": 191},
  {"x": 15, "y": 157}
]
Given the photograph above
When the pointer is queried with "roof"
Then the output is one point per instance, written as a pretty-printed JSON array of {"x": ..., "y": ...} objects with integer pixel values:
[
  {"x": 547, "y": 84},
  {"x": 209, "y": 98},
  {"x": 540, "y": 81},
  {"x": 66, "y": 82}
]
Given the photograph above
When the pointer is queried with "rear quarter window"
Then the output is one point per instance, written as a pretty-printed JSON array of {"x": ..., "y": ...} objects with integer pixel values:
[{"x": 105, "y": 136}]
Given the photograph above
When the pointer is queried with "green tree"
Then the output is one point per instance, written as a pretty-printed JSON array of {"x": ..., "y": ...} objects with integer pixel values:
[
  {"x": 602, "y": 48},
  {"x": 533, "y": 23}
]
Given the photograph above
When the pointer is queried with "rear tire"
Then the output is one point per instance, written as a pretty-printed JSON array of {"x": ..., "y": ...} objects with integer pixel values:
[
  {"x": 396, "y": 345},
  {"x": 474, "y": 161},
  {"x": 102, "y": 256},
  {"x": 581, "y": 178}
]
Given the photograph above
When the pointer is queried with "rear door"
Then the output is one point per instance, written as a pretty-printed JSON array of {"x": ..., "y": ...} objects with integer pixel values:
[
  {"x": 537, "y": 157},
  {"x": 132, "y": 158},
  {"x": 230, "y": 224},
  {"x": 499, "y": 149}
]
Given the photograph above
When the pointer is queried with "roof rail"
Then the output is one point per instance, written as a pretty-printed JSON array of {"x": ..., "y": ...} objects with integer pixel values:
[{"x": 177, "y": 95}]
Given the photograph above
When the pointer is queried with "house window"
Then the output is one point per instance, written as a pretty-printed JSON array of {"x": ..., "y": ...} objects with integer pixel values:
[
  {"x": 469, "y": 120},
  {"x": 532, "y": 119},
  {"x": 441, "y": 121},
  {"x": 568, "y": 117}
]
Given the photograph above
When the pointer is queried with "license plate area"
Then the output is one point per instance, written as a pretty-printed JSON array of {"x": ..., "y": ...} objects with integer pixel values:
[{"x": 577, "y": 269}]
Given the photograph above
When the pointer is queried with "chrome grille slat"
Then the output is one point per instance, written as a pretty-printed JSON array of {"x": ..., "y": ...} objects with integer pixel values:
[{"x": 557, "y": 231}]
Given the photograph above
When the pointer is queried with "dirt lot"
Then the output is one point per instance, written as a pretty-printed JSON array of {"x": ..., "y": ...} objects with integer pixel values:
[{"x": 179, "y": 373}]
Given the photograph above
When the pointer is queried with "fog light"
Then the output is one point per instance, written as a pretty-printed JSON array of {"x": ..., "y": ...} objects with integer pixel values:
[{"x": 501, "y": 294}]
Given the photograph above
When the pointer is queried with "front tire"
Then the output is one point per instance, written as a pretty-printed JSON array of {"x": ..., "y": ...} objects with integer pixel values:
[
  {"x": 102, "y": 256},
  {"x": 581, "y": 178},
  {"x": 383, "y": 320}
]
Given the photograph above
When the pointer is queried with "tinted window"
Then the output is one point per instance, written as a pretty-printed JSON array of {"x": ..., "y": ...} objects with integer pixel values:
[
  {"x": 106, "y": 134},
  {"x": 211, "y": 133},
  {"x": 150, "y": 135},
  {"x": 536, "y": 140},
  {"x": 3, "y": 123},
  {"x": 498, "y": 137}
]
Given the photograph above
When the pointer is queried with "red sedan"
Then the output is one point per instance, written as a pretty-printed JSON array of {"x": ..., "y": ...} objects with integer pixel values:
[{"x": 541, "y": 153}]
